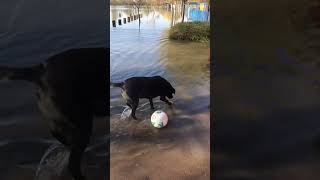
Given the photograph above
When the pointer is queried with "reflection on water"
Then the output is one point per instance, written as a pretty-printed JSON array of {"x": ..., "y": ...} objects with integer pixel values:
[{"x": 147, "y": 51}]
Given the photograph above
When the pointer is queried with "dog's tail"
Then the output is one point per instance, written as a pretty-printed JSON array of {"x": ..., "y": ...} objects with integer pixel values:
[
  {"x": 120, "y": 85},
  {"x": 31, "y": 74}
]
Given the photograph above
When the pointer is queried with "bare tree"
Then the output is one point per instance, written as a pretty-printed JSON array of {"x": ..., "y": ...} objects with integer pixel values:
[
  {"x": 209, "y": 3},
  {"x": 183, "y": 9},
  {"x": 138, "y": 4}
]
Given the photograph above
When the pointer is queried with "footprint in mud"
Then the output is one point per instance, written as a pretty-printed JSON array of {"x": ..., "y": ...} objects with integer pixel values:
[{"x": 165, "y": 146}]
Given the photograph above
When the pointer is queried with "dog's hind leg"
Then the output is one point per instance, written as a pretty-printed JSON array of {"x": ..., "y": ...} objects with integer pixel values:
[
  {"x": 80, "y": 142},
  {"x": 128, "y": 104},
  {"x": 163, "y": 98},
  {"x": 127, "y": 98},
  {"x": 134, "y": 108},
  {"x": 151, "y": 103},
  {"x": 75, "y": 162}
]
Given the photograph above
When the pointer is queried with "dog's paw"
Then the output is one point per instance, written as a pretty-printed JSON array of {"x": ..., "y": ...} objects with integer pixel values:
[{"x": 134, "y": 117}]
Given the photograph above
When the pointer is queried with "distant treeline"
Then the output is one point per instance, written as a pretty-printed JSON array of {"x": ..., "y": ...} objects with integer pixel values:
[
  {"x": 152, "y": 2},
  {"x": 142, "y": 2},
  {"x": 120, "y": 2}
]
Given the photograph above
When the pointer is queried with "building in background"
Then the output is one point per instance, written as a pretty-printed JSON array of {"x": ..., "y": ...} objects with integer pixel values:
[{"x": 198, "y": 10}]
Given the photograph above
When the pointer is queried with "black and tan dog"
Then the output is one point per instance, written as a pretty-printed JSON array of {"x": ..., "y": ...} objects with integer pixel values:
[
  {"x": 135, "y": 88},
  {"x": 72, "y": 89}
]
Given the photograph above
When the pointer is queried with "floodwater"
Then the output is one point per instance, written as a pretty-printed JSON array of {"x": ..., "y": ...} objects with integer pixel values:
[
  {"x": 180, "y": 150},
  {"x": 30, "y": 32}
]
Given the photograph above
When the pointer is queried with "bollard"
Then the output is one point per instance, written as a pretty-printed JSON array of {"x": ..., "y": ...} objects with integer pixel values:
[
  {"x": 124, "y": 21},
  {"x": 119, "y": 22},
  {"x": 128, "y": 19},
  {"x": 114, "y": 23}
]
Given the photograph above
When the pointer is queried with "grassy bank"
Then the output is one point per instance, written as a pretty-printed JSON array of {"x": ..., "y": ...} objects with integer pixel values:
[{"x": 191, "y": 31}]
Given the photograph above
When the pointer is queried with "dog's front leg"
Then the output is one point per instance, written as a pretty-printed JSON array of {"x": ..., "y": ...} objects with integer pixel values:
[
  {"x": 75, "y": 162},
  {"x": 151, "y": 103},
  {"x": 163, "y": 98}
]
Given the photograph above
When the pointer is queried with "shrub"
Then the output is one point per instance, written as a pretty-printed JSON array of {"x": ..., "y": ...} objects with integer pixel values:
[{"x": 191, "y": 31}]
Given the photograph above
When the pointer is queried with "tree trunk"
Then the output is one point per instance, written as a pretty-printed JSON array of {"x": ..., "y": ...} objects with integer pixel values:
[
  {"x": 172, "y": 17},
  {"x": 181, "y": 7},
  {"x": 139, "y": 17},
  {"x": 183, "y": 10}
]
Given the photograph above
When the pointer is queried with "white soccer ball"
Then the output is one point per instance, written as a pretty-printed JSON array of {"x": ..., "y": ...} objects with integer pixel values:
[{"x": 159, "y": 119}]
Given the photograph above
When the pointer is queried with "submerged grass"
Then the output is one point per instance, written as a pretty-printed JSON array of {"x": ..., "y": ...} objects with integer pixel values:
[{"x": 191, "y": 31}]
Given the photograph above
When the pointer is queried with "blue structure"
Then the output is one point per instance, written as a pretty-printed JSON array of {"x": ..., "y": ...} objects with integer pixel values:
[{"x": 194, "y": 14}]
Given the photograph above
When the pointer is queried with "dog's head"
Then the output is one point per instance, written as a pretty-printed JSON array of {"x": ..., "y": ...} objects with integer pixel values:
[
  {"x": 168, "y": 87},
  {"x": 171, "y": 91},
  {"x": 170, "y": 96}
]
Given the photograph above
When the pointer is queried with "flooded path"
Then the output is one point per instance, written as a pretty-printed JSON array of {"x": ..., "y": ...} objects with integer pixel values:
[{"x": 181, "y": 150}]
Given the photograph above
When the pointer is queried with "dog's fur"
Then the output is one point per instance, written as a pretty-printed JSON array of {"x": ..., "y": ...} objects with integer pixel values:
[
  {"x": 72, "y": 89},
  {"x": 145, "y": 87}
]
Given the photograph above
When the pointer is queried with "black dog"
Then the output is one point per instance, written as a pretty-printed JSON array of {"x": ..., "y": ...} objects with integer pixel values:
[
  {"x": 145, "y": 87},
  {"x": 72, "y": 89}
]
